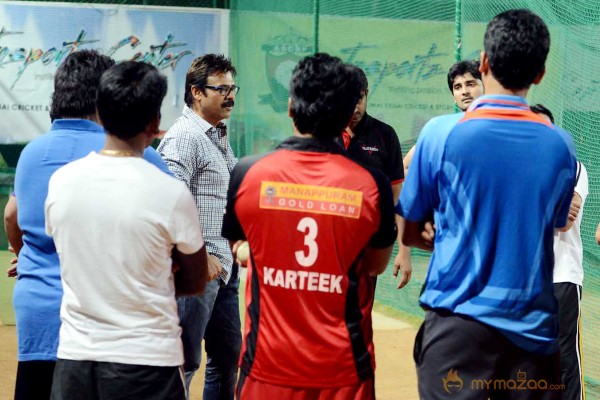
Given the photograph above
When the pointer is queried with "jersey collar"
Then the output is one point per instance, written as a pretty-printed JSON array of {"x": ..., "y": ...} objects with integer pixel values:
[
  {"x": 311, "y": 144},
  {"x": 499, "y": 101},
  {"x": 77, "y": 125}
]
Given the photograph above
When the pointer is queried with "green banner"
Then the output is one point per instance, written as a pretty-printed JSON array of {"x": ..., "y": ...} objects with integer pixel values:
[{"x": 406, "y": 63}]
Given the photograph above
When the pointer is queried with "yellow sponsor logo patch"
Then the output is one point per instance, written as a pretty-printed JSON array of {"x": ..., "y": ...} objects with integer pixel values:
[{"x": 315, "y": 199}]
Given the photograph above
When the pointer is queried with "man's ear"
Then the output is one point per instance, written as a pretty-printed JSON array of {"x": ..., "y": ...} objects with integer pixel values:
[
  {"x": 484, "y": 66},
  {"x": 539, "y": 77},
  {"x": 290, "y": 112},
  {"x": 197, "y": 93},
  {"x": 152, "y": 129}
]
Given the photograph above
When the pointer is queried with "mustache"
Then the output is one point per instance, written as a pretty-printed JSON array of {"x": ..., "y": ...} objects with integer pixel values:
[{"x": 229, "y": 103}]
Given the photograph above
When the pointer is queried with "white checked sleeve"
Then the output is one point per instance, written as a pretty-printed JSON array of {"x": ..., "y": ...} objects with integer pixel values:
[
  {"x": 179, "y": 150},
  {"x": 184, "y": 225}
]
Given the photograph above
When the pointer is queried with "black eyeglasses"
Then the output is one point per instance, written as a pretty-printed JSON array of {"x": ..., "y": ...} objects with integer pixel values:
[{"x": 224, "y": 90}]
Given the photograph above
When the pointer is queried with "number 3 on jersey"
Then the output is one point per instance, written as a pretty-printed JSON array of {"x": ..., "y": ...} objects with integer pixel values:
[{"x": 308, "y": 226}]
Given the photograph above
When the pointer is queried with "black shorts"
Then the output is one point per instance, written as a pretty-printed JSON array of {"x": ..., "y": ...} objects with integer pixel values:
[
  {"x": 93, "y": 380},
  {"x": 462, "y": 359},
  {"x": 569, "y": 337}
]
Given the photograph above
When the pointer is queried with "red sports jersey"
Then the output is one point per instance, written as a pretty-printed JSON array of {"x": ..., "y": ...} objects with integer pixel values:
[{"x": 308, "y": 212}]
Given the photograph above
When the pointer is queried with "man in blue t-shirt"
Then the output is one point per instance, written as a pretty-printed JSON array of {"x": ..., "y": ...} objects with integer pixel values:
[
  {"x": 486, "y": 191},
  {"x": 38, "y": 291}
]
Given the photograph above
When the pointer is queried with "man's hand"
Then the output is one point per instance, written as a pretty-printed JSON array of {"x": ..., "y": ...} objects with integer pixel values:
[
  {"x": 214, "y": 267},
  {"x": 404, "y": 264},
  {"x": 234, "y": 249},
  {"x": 12, "y": 271},
  {"x": 575, "y": 207},
  {"x": 174, "y": 267},
  {"x": 428, "y": 234},
  {"x": 418, "y": 234}
]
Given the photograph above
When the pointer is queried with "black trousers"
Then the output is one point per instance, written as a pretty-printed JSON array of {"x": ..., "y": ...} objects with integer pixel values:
[
  {"x": 569, "y": 338},
  {"x": 34, "y": 380},
  {"x": 91, "y": 380},
  {"x": 461, "y": 359}
]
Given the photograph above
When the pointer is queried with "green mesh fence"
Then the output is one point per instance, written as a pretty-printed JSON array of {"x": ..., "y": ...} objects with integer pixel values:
[
  {"x": 406, "y": 48},
  {"x": 177, "y": 3}
]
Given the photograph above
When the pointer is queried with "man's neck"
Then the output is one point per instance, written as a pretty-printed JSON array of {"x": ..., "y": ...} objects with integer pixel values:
[
  {"x": 199, "y": 113},
  {"x": 358, "y": 125},
  {"x": 302, "y": 135},
  {"x": 91, "y": 117},
  {"x": 493, "y": 87},
  {"x": 117, "y": 147}
]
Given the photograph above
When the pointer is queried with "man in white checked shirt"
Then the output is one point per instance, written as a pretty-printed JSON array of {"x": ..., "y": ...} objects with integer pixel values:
[{"x": 197, "y": 151}]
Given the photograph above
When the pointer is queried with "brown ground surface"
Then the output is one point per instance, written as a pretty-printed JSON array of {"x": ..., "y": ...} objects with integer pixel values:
[{"x": 395, "y": 377}]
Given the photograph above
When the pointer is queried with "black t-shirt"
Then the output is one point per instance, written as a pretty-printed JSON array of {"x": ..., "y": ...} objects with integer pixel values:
[{"x": 375, "y": 144}]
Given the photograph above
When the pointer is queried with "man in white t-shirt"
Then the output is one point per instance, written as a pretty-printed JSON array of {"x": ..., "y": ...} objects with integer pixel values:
[
  {"x": 121, "y": 228},
  {"x": 568, "y": 282}
]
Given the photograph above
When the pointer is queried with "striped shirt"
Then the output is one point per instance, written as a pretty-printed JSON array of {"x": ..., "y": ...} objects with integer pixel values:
[{"x": 199, "y": 154}]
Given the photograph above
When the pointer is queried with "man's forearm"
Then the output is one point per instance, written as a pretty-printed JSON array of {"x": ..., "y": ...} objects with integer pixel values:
[
  {"x": 400, "y": 223},
  {"x": 396, "y": 188},
  {"x": 376, "y": 260},
  {"x": 11, "y": 226}
]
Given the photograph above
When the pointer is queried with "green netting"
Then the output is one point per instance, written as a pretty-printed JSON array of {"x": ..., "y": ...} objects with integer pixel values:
[
  {"x": 178, "y": 3},
  {"x": 406, "y": 48}
]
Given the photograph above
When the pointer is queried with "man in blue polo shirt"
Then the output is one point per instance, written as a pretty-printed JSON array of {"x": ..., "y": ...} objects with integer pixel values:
[{"x": 494, "y": 185}]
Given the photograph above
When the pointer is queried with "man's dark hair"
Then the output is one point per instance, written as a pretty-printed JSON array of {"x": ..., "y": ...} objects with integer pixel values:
[
  {"x": 76, "y": 82},
  {"x": 362, "y": 77},
  {"x": 129, "y": 97},
  {"x": 461, "y": 68},
  {"x": 540, "y": 109},
  {"x": 324, "y": 92},
  {"x": 203, "y": 67},
  {"x": 516, "y": 43}
]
